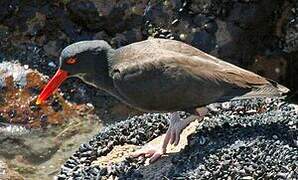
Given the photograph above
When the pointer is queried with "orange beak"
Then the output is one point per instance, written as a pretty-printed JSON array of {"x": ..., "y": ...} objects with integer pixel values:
[{"x": 52, "y": 85}]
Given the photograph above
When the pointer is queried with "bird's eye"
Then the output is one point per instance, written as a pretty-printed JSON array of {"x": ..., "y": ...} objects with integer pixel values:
[{"x": 71, "y": 60}]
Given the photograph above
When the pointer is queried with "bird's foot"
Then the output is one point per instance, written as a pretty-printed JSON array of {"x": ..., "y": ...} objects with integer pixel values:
[
  {"x": 172, "y": 136},
  {"x": 154, "y": 153}
]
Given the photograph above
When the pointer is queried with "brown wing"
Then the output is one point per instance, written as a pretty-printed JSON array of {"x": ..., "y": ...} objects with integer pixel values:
[
  {"x": 165, "y": 75},
  {"x": 134, "y": 51}
]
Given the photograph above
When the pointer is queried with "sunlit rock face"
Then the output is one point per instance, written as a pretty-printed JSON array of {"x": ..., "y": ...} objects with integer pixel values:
[{"x": 19, "y": 87}]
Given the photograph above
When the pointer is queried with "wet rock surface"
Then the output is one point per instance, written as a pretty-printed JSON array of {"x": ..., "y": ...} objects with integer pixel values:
[
  {"x": 19, "y": 88},
  {"x": 242, "y": 139},
  {"x": 7, "y": 174},
  {"x": 32, "y": 134}
]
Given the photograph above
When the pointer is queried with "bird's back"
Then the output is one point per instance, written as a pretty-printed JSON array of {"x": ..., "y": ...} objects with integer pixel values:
[{"x": 167, "y": 75}]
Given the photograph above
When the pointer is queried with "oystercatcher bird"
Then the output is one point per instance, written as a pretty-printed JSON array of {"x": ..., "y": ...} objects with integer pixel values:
[{"x": 160, "y": 75}]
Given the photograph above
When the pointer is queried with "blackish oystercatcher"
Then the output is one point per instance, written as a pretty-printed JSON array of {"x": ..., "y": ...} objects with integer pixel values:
[{"x": 159, "y": 75}]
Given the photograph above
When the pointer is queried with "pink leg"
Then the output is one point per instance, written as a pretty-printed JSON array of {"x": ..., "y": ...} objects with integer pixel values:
[{"x": 172, "y": 135}]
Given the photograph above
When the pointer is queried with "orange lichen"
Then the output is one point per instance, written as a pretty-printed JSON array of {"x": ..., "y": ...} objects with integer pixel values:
[{"x": 18, "y": 104}]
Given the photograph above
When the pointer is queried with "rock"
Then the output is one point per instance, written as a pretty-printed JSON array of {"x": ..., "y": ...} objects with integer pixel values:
[
  {"x": 17, "y": 72},
  {"x": 234, "y": 32},
  {"x": 102, "y": 35},
  {"x": 278, "y": 66},
  {"x": 111, "y": 16},
  {"x": 8, "y": 174},
  {"x": 291, "y": 33},
  {"x": 7, "y": 8},
  {"x": 36, "y": 24},
  {"x": 126, "y": 38},
  {"x": 29, "y": 148},
  {"x": 232, "y": 149},
  {"x": 13, "y": 130},
  {"x": 158, "y": 14},
  {"x": 4, "y": 31},
  {"x": 53, "y": 48},
  {"x": 204, "y": 41}
]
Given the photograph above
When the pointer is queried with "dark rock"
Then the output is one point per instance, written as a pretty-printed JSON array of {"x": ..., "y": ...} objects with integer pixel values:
[
  {"x": 56, "y": 105},
  {"x": 109, "y": 16},
  {"x": 126, "y": 38},
  {"x": 43, "y": 119},
  {"x": 7, "y": 8},
  {"x": 102, "y": 35},
  {"x": 157, "y": 14},
  {"x": 204, "y": 41},
  {"x": 53, "y": 48}
]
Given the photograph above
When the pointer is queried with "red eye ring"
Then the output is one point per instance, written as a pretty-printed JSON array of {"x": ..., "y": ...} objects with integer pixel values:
[{"x": 71, "y": 60}]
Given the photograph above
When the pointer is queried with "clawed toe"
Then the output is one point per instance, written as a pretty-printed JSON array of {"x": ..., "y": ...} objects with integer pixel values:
[
  {"x": 155, "y": 157},
  {"x": 172, "y": 136},
  {"x": 149, "y": 153}
]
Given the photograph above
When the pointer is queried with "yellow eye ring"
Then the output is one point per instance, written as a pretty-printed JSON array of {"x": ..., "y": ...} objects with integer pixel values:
[{"x": 71, "y": 60}]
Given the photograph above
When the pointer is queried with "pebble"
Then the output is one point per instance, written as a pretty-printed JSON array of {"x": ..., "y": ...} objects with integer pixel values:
[
  {"x": 90, "y": 105},
  {"x": 52, "y": 64},
  {"x": 56, "y": 105},
  {"x": 183, "y": 37},
  {"x": 275, "y": 137}
]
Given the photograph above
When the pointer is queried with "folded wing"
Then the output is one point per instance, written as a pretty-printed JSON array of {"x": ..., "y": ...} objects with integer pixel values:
[{"x": 170, "y": 75}]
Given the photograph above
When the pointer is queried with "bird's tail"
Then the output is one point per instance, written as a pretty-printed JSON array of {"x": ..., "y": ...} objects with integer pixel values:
[
  {"x": 280, "y": 88},
  {"x": 272, "y": 89}
]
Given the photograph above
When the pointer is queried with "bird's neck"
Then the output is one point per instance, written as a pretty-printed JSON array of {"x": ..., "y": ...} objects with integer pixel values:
[{"x": 100, "y": 77}]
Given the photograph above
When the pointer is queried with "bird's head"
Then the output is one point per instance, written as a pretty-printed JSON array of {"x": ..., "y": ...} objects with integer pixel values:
[{"x": 82, "y": 59}]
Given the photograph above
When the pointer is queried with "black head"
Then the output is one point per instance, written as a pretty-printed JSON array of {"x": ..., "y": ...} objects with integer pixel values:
[
  {"x": 87, "y": 60},
  {"x": 83, "y": 58}
]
